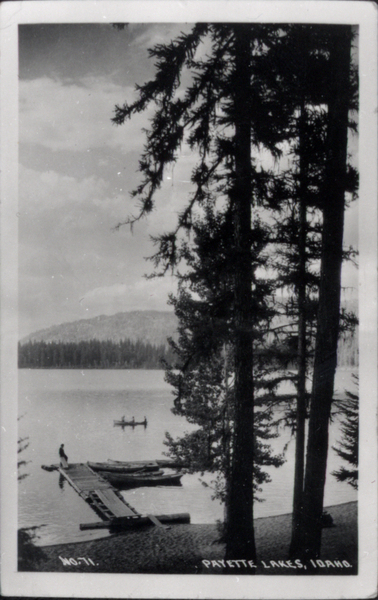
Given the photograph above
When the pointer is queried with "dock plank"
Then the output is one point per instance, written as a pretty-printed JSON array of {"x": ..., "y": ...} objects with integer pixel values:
[
  {"x": 115, "y": 504},
  {"x": 87, "y": 483}
]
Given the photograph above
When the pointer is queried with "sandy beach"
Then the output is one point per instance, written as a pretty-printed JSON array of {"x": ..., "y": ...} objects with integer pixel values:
[{"x": 195, "y": 549}]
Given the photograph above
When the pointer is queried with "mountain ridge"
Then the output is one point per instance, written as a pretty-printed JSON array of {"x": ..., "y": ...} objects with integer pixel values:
[{"x": 150, "y": 326}]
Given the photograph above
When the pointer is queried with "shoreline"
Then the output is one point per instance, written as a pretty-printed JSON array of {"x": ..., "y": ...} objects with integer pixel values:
[{"x": 196, "y": 549}]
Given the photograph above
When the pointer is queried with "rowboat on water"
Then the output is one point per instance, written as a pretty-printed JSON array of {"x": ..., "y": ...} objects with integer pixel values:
[
  {"x": 130, "y": 480},
  {"x": 126, "y": 467},
  {"x": 123, "y": 423}
]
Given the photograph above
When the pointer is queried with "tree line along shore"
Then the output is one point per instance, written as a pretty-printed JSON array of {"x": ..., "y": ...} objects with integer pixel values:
[
  {"x": 126, "y": 354},
  {"x": 92, "y": 354}
]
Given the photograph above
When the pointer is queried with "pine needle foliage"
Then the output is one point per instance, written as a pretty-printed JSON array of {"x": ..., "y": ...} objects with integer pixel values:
[{"x": 347, "y": 447}]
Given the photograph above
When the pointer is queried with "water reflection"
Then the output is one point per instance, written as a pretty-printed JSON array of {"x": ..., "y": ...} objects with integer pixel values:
[{"x": 61, "y": 481}]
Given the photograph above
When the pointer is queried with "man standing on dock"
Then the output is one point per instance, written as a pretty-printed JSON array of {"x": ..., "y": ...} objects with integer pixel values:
[{"x": 63, "y": 457}]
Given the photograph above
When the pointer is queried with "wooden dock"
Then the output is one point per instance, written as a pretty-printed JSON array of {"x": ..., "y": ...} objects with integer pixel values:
[
  {"x": 108, "y": 502},
  {"x": 105, "y": 500}
]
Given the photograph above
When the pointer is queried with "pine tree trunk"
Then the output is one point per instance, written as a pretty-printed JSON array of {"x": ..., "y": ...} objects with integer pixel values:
[
  {"x": 302, "y": 350},
  {"x": 329, "y": 295},
  {"x": 240, "y": 542},
  {"x": 226, "y": 441}
]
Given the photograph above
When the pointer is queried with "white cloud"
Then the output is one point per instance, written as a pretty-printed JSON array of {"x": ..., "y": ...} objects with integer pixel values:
[
  {"x": 77, "y": 200},
  {"x": 148, "y": 35},
  {"x": 76, "y": 117},
  {"x": 144, "y": 294},
  {"x": 67, "y": 248}
]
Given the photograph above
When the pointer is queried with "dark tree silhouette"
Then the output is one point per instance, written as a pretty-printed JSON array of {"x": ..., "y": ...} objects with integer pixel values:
[
  {"x": 338, "y": 102},
  {"x": 243, "y": 97},
  {"x": 347, "y": 447},
  {"x": 229, "y": 110},
  {"x": 309, "y": 83},
  {"x": 202, "y": 377}
]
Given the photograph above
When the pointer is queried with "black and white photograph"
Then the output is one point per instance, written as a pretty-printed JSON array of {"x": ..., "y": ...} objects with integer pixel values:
[{"x": 188, "y": 322}]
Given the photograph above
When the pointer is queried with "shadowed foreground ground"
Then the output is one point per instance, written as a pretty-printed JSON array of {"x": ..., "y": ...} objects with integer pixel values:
[{"x": 191, "y": 549}]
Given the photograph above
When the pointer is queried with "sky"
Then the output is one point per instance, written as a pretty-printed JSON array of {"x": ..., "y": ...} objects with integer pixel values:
[
  {"x": 77, "y": 169},
  {"x": 76, "y": 173}
]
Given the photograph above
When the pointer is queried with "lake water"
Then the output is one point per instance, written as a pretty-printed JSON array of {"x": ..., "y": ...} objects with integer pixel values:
[{"x": 77, "y": 408}]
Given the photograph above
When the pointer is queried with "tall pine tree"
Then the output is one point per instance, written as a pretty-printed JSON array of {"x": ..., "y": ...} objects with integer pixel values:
[
  {"x": 228, "y": 110},
  {"x": 335, "y": 185},
  {"x": 202, "y": 377}
]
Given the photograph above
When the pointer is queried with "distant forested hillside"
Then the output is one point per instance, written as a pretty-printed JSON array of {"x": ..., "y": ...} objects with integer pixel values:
[
  {"x": 92, "y": 354},
  {"x": 147, "y": 326},
  {"x": 130, "y": 340}
]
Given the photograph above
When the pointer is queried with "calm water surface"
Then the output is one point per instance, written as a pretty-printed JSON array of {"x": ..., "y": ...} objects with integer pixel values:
[{"x": 77, "y": 408}]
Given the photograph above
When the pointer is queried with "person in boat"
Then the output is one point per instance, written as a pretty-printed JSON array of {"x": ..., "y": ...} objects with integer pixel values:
[
  {"x": 123, "y": 419},
  {"x": 133, "y": 420},
  {"x": 63, "y": 457}
]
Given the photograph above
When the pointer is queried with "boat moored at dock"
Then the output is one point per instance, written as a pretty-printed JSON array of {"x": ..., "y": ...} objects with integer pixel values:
[
  {"x": 126, "y": 467},
  {"x": 106, "y": 500},
  {"x": 162, "y": 463},
  {"x": 140, "y": 479}
]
